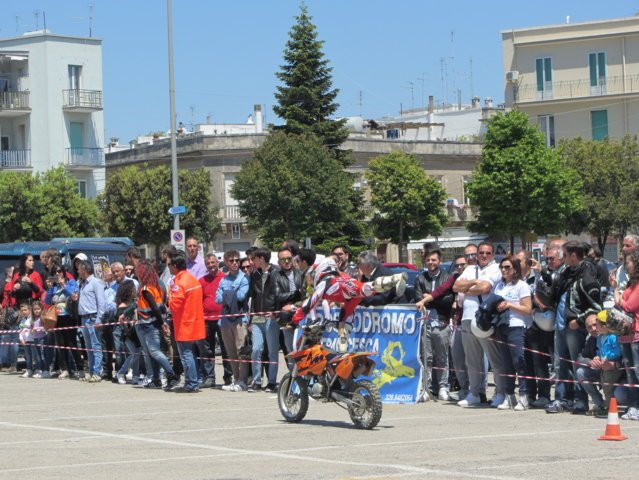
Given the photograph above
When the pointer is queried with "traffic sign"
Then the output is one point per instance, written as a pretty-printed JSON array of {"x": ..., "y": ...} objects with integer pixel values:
[
  {"x": 179, "y": 210},
  {"x": 178, "y": 239}
]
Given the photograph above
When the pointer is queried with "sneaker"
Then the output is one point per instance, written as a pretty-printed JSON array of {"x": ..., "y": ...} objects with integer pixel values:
[
  {"x": 229, "y": 388},
  {"x": 556, "y": 407},
  {"x": 46, "y": 374},
  {"x": 185, "y": 390},
  {"x": 121, "y": 379},
  {"x": 470, "y": 401},
  {"x": 541, "y": 402},
  {"x": 172, "y": 381},
  {"x": 271, "y": 388},
  {"x": 598, "y": 412},
  {"x": 443, "y": 394},
  {"x": 522, "y": 404},
  {"x": 37, "y": 374},
  {"x": 153, "y": 384},
  {"x": 509, "y": 402},
  {"x": 254, "y": 387},
  {"x": 12, "y": 369},
  {"x": 95, "y": 378},
  {"x": 27, "y": 374},
  {"x": 631, "y": 414},
  {"x": 63, "y": 374},
  {"x": 579, "y": 409},
  {"x": 208, "y": 383},
  {"x": 498, "y": 399}
]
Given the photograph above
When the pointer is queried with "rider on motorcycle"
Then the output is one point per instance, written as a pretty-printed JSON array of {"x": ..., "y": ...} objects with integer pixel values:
[{"x": 331, "y": 285}]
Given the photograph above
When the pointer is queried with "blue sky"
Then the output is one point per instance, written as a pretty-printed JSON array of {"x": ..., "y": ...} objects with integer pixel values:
[{"x": 227, "y": 52}]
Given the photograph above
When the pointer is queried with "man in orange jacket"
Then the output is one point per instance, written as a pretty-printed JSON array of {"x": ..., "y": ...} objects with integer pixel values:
[{"x": 186, "y": 307}]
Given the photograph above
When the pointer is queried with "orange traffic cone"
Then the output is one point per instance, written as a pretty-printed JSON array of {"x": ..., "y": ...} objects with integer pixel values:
[{"x": 613, "y": 429}]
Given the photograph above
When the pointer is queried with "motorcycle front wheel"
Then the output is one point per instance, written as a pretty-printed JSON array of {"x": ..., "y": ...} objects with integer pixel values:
[
  {"x": 292, "y": 398},
  {"x": 366, "y": 407}
]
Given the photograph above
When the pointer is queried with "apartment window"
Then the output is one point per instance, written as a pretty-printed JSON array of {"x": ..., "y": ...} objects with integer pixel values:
[
  {"x": 81, "y": 188},
  {"x": 465, "y": 199},
  {"x": 235, "y": 231},
  {"x": 546, "y": 124},
  {"x": 544, "y": 78},
  {"x": 74, "y": 77},
  {"x": 599, "y": 122},
  {"x": 597, "y": 62},
  {"x": 229, "y": 180}
]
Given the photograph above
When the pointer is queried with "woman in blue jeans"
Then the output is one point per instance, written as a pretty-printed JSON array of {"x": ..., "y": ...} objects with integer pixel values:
[
  {"x": 149, "y": 326},
  {"x": 518, "y": 301},
  {"x": 630, "y": 342}
]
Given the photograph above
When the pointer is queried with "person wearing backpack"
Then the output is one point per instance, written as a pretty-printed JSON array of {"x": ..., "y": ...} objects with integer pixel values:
[{"x": 232, "y": 295}]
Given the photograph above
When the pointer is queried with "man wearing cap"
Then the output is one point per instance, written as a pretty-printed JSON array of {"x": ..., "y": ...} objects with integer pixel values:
[{"x": 91, "y": 308}]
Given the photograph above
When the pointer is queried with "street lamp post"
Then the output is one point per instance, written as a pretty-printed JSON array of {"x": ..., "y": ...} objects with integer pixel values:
[{"x": 174, "y": 168}]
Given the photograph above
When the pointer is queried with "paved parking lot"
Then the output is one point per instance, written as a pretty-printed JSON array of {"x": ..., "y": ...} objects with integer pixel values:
[{"x": 68, "y": 429}]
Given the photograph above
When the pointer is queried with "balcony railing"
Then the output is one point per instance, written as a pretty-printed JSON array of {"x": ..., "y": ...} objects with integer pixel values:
[
  {"x": 230, "y": 212},
  {"x": 460, "y": 213},
  {"x": 82, "y": 99},
  {"x": 85, "y": 157},
  {"x": 15, "y": 158},
  {"x": 567, "y": 89},
  {"x": 14, "y": 100}
]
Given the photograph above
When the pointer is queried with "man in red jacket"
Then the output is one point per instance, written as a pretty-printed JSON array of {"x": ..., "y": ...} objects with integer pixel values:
[
  {"x": 212, "y": 311},
  {"x": 186, "y": 306}
]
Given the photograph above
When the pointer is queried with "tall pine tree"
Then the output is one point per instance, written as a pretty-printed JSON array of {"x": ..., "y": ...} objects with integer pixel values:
[{"x": 306, "y": 100}]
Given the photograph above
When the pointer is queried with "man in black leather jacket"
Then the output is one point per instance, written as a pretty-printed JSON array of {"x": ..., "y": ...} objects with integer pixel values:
[
  {"x": 288, "y": 284},
  {"x": 435, "y": 324}
]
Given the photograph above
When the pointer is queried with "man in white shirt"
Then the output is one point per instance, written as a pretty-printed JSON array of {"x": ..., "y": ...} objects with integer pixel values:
[{"x": 476, "y": 283}]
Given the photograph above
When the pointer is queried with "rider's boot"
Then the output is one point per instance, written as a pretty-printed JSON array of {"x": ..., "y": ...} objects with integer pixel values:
[{"x": 383, "y": 284}]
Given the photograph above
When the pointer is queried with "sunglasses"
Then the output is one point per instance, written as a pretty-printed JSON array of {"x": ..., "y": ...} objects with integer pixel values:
[
  {"x": 245, "y": 267},
  {"x": 286, "y": 260},
  {"x": 470, "y": 255},
  {"x": 485, "y": 253},
  {"x": 460, "y": 265},
  {"x": 233, "y": 260},
  {"x": 505, "y": 267}
]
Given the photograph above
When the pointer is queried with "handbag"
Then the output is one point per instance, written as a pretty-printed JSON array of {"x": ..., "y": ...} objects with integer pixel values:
[{"x": 50, "y": 318}]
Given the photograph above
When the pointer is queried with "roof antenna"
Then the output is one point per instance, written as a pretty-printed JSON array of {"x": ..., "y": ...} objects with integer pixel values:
[{"x": 90, "y": 20}]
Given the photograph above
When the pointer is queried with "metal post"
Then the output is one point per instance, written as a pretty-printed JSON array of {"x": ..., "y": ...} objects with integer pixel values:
[{"x": 174, "y": 168}]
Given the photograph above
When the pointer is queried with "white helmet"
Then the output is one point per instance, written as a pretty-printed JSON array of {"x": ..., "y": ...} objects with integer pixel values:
[
  {"x": 545, "y": 320},
  {"x": 322, "y": 269},
  {"x": 478, "y": 332}
]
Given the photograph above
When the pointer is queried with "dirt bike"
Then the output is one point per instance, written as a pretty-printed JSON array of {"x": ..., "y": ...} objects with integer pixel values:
[{"x": 329, "y": 376}]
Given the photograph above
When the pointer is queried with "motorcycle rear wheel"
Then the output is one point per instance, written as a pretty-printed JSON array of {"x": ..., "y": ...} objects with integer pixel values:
[
  {"x": 366, "y": 409},
  {"x": 293, "y": 405}
]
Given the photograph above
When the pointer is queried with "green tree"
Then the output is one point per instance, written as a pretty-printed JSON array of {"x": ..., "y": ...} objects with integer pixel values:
[
  {"x": 409, "y": 203},
  {"x": 43, "y": 206},
  {"x": 521, "y": 187},
  {"x": 609, "y": 171},
  {"x": 136, "y": 201},
  {"x": 293, "y": 187},
  {"x": 306, "y": 100}
]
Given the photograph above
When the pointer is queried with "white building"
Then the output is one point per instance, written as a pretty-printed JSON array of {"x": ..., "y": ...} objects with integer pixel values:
[
  {"x": 448, "y": 123},
  {"x": 51, "y": 106}
]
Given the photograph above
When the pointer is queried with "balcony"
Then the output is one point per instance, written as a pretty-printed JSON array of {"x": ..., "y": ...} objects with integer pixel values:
[
  {"x": 460, "y": 214},
  {"x": 574, "y": 89},
  {"x": 231, "y": 213},
  {"x": 14, "y": 104},
  {"x": 85, "y": 157},
  {"x": 12, "y": 159},
  {"x": 82, "y": 100}
]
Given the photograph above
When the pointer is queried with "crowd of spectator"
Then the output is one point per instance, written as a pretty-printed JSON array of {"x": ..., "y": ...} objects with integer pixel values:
[{"x": 532, "y": 324}]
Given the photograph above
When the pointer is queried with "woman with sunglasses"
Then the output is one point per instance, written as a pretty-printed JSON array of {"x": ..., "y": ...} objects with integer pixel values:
[{"x": 518, "y": 302}]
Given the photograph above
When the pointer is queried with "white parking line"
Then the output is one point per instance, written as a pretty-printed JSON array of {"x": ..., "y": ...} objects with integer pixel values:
[{"x": 248, "y": 452}]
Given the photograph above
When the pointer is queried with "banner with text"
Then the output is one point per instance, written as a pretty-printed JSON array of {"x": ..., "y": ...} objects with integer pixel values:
[{"x": 393, "y": 332}]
